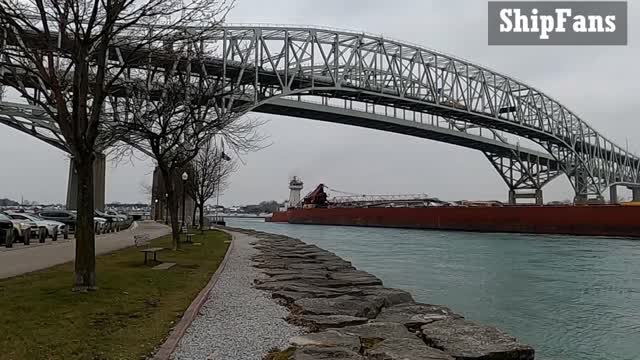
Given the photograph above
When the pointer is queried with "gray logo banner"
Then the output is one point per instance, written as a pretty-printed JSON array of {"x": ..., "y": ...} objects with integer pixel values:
[{"x": 557, "y": 23}]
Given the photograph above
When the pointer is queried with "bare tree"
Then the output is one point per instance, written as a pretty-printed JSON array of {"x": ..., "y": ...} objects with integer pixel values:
[
  {"x": 173, "y": 112},
  {"x": 69, "y": 56},
  {"x": 209, "y": 175}
]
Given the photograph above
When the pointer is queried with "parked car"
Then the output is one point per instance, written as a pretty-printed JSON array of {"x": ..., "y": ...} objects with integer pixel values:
[
  {"x": 66, "y": 217},
  {"x": 113, "y": 222},
  {"x": 23, "y": 229},
  {"x": 125, "y": 220},
  {"x": 100, "y": 225},
  {"x": 6, "y": 231},
  {"x": 39, "y": 231},
  {"x": 51, "y": 228},
  {"x": 121, "y": 217}
]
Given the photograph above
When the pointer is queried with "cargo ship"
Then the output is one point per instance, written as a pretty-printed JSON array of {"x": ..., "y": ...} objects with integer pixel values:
[{"x": 423, "y": 212}]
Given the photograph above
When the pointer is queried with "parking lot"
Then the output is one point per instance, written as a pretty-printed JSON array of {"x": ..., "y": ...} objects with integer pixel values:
[
  {"x": 26, "y": 226},
  {"x": 21, "y": 259}
]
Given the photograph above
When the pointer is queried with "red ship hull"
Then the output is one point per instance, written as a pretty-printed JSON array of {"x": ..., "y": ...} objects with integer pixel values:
[{"x": 600, "y": 220}]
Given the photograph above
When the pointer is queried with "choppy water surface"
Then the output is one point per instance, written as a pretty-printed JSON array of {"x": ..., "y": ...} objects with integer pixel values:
[{"x": 572, "y": 298}]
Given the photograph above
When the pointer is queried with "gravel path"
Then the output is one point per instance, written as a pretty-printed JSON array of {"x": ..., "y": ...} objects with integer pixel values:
[{"x": 237, "y": 321}]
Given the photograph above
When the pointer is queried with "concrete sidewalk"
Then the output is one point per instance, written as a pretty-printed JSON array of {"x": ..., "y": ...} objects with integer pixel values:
[{"x": 30, "y": 259}]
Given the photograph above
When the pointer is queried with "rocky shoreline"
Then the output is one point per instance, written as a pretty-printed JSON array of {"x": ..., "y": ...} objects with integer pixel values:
[{"x": 350, "y": 314}]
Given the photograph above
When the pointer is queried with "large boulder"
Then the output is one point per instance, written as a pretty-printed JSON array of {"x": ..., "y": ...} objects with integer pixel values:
[
  {"x": 404, "y": 349},
  {"x": 389, "y": 296},
  {"x": 276, "y": 272},
  {"x": 375, "y": 331},
  {"x": 415, "y": 315},
  {"x": 322, "y": 322},
  {"x": 294, "y": 285},
  {"x": 290, "y": 297},
  {"x": 322, "y": 353},
  {"x": 327, "y": 339},
  {"x": 326, "y": 257},
  {"x": 467, "y": 340},
  {"x": 356, "y": 278},
  {"x": 271, "y": 265},
  {"x": 299, "y": 289},
  {"x": 297, "y": 275},
  {"x": 341, "y": 305},
  {"x": 309, "y": 266},
  {"x": 334, "y": 283}
]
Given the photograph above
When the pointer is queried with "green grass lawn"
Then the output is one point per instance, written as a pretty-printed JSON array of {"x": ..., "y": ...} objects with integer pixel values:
[{"x": 131, "y": 313}]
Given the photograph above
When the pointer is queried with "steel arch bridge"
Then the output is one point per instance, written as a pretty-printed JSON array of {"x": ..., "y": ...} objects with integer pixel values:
[{"x": 371, "y": 81}]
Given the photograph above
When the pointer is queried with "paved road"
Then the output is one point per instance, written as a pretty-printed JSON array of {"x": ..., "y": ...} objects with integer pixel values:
[{"x": 28, "y": 259}]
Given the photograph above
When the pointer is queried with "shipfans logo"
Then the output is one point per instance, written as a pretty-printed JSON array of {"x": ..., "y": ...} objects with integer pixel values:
[{"x": 557, "y": 23}]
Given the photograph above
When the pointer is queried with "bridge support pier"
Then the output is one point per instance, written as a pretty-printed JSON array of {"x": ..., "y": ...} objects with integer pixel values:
[
  {"x": 613, "y": 194},
  {"x": 585, "y": 192},
  {"x": 535, "y": 194},
  {"x": 99, "y": 176}
]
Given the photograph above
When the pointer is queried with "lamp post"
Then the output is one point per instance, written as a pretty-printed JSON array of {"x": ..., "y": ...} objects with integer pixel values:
[
  {"x": 185, "y": 177},
  {"x": 166, "y": 214},
  {"x": 155, "y": 210}
]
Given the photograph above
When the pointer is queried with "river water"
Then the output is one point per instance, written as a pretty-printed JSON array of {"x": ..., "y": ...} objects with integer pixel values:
[{"x": 571, "y": 298}]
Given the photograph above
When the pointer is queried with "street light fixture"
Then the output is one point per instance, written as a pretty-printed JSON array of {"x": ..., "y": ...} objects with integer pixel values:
[{"x": 185, "y": 177}]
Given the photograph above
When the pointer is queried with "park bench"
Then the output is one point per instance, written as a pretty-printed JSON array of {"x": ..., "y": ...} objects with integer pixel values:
[
  {"x": 185, "y": 230},
  {"x": 153, "y": 251},
  {"x": 142, "y": 240}
]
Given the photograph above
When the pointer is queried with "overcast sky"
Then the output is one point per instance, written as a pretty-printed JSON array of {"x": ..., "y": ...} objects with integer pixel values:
[{"x": 600, "y": 84}]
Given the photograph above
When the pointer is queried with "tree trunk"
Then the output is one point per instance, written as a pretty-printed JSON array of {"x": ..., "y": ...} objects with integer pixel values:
[
  {"x": 201, "y": 207},
  {"x": 193, "y": 219},
  {"x": 173, "y": 206},
  {"x": 85, "y": 261},
  {"x": 175, "y": 224}
]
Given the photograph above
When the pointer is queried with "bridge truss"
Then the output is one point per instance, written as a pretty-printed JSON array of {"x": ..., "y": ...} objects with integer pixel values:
[{"x": 371, "y": 81}]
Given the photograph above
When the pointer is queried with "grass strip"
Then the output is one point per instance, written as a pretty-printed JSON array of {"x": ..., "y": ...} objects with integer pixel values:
[{"x": 131, "y": 314}]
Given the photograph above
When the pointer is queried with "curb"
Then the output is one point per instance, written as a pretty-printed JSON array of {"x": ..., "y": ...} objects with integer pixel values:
[
  {"x": 47, "y": 242},
  {"x": 166, "y": 349}
]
